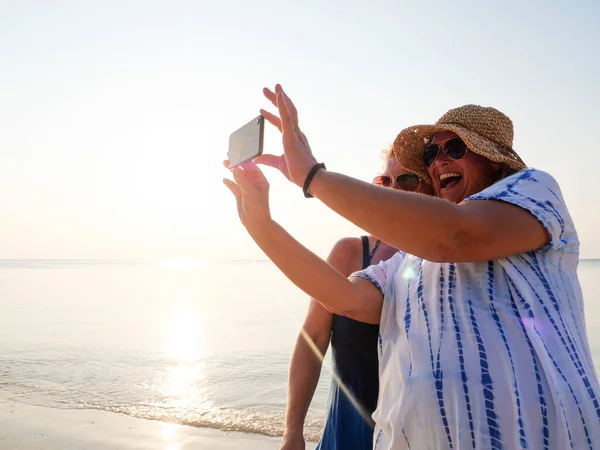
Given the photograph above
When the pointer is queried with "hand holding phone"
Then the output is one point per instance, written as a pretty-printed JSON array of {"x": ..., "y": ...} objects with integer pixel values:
[{"x": 246, "y": 143}]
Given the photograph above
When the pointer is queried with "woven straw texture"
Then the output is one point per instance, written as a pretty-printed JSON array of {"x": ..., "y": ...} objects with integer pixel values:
[{"x": 486, "y": 131}]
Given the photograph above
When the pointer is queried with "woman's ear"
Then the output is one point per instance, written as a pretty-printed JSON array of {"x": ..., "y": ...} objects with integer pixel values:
[
  {"x": 502, "y": 170},
  {"x": 497, "y": 166},
  {"x": 498, "y": 169}
]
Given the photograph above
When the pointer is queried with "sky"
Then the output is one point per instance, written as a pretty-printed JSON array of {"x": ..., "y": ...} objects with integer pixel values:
[{"x": 115, "y": 115}]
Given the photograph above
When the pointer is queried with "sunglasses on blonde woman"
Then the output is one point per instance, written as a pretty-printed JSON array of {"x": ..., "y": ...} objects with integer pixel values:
[{"x": 405, "y": 182}]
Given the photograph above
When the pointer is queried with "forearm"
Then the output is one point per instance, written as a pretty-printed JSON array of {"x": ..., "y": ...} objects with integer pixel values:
[
  {"x": 417, "y": 224},
  {"x": 313, "y": 275},
  {"x": 304, "y": 372}
]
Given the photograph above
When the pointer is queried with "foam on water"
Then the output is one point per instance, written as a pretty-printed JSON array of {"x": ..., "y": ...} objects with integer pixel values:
[{"x": 147, "y": 389}]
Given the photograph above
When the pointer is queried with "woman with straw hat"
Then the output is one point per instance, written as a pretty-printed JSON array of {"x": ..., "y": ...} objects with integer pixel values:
[{"x": 482, "y": 328}]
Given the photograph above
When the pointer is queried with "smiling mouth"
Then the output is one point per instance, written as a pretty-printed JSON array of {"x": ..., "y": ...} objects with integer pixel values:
[{"x": 449, "y": 180}]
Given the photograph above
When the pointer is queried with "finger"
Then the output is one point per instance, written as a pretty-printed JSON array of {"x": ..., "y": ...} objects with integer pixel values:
[
  {"x": 253, "y": 174},
  {"x": 240, "y": 179},
  {"x": 248, "y": 165},
  {"x": 287, "y": 122},
  {"x": 226, "y": 163},
  {"x": 234, "y": 188},
  {"x": 271, "y": 118},
  {"x": 291, "y": 107},
  {"x": 270, "y": 95},
  {"x": 289, "y": 103},
  {"x": 268, "y": 160},
  {"x": 303, "y": 137},
  {"x": 237, "y": 194}
]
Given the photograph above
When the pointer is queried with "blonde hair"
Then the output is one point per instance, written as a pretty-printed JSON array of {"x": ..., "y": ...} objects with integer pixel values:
[{"x": 387, "y": 152}]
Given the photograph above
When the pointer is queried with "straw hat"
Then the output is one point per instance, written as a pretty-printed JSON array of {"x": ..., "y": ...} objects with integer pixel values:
[{"x": 485, "y": 130}]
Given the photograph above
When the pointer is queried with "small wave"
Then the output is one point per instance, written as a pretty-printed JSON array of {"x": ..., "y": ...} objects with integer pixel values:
[
  {"x": 265, "y": 423},
  {"x": 225, "y": 419}
]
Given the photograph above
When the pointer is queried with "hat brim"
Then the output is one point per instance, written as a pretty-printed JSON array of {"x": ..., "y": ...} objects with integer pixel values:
[{"x": 412, "y": 141}]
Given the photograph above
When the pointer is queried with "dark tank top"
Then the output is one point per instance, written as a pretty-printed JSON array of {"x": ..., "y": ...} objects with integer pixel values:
[{"x": 355, "y": 361}]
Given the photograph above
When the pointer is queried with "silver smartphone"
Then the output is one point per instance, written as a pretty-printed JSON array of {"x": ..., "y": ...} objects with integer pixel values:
[{"x": 246, "y": 143}]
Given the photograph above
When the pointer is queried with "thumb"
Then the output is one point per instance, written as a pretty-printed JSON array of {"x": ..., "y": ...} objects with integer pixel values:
[{"x": 268, "y": 160}]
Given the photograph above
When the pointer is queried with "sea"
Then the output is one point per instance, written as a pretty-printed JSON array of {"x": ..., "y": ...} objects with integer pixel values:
[{"x": 201, "y": 343}]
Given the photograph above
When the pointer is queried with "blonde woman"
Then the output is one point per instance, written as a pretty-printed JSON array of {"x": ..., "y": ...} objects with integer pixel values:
[{"x": 355, "y": 385}]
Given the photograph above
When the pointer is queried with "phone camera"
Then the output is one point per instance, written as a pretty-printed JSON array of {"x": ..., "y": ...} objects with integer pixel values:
[{"x": 258, "y": 121}]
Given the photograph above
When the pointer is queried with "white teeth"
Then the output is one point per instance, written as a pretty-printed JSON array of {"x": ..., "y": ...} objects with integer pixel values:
[{"x": 448, "y": 175}]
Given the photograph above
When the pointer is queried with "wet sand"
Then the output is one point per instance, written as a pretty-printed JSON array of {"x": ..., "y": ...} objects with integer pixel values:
[{"x": 26, "y": 427}]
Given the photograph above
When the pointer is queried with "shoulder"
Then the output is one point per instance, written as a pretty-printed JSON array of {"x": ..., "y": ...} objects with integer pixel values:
[
  {"x": 537, "y": 195},
  {"x": 346, "y": 255},
  {"x": 532, "y": 174},
  {"x": 534, "y": 177},
  {"x": 348, "y": 247},
  {"x": 531, "y": 183},
  {"x": 383, "y": 252},
  {"x": 545, "y": 183}
]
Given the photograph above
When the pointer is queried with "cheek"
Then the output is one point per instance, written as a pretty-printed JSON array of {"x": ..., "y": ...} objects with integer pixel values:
[
  {"x": 427, "y": 190},
  {"x": 478, "y": 172},
  {"x": 431, "y": 173}
]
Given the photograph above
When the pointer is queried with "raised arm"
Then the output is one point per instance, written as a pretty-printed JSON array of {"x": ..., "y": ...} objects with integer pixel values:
[
  {"x": 355, "y": 297},
  {"x": 428, "y": 227},
  {"x": 311, "y": 346}
]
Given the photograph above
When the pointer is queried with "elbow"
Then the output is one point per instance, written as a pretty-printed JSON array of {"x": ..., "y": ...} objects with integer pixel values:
[
  {"x": 362, "y": 314},
  {"x": 354, "y": 313},
  {"x": 345, "y": 312}
]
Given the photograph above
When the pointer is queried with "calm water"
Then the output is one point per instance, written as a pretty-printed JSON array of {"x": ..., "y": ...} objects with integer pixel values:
[
  {"x": 201, "y": 344},
  {"x": 205, "y": 345}
]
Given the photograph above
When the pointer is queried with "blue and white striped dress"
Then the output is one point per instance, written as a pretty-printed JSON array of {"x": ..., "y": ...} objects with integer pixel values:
[{"x": 489, "y": 355}]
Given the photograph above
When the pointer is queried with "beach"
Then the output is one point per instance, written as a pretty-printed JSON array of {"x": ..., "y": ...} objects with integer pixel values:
[
  {"x": 151, "y": 356},
  {"x": 26, "y": 427},
  {"x": 127, "y": 356}
]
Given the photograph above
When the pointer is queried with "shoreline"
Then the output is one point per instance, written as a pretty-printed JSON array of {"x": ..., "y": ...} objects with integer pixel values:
[{"x": 27, "y": 427}]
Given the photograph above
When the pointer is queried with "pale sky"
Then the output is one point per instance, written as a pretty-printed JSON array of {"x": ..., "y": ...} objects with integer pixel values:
[{"x": 115, "y": 115}]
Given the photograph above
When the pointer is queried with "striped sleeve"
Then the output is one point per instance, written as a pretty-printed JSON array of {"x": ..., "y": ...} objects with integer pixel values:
[
  {"x": 538, "y": 193},
  {"x": 376, "y": 274}
]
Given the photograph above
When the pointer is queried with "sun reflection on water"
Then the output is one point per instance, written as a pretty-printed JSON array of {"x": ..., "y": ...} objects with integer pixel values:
[
  {"x": 181, "y": 384},
  {"x": 184, "y": 345},
  {"x": 184, "y": 337}
]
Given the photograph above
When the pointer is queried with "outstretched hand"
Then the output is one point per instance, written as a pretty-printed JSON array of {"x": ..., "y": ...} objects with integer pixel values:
[
  {"x": 297, "y": 158},
  {"x": 251, "y": 190}
]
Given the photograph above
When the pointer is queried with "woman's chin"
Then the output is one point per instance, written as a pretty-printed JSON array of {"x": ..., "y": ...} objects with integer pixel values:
[{"x": 454, "y": 194}]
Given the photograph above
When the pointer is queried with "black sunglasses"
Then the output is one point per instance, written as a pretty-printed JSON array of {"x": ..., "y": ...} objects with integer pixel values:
[
  {"x": 455, "y": 148},
  {"x": 406, "y": 182}
]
